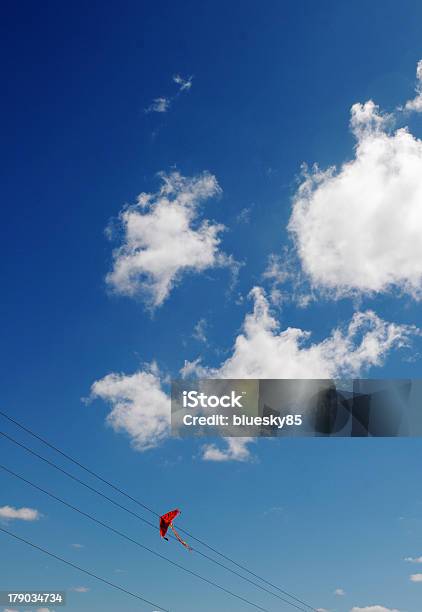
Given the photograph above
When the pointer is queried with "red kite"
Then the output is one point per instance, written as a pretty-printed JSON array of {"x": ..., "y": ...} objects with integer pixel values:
[{"x": 166, "y": 521}]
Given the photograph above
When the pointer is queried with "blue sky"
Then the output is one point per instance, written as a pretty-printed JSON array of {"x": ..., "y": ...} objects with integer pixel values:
[{"x": 271, "y": 89}]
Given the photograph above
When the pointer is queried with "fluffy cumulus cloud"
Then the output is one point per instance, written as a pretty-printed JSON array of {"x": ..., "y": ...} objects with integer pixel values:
[
  {"x": 416, "y": 103},
  {"x": 416, "y": 578},
  {"x": 357, "y": 228},
  {"x": 164, "y": 238},
  {"x": 10, "y": 513},
  {"x": 264, "y": 350},
  {"x": 139, "y": 406},
  {"x": 374, "y": 609}
]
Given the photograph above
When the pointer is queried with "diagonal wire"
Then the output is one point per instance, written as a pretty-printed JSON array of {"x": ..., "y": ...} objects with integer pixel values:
[
  {"x": 141, "y": 504},
  {"x": 128, "y": 538},
  {"x": 81, "y": 569},
  {"x": 155, "y": 527}
]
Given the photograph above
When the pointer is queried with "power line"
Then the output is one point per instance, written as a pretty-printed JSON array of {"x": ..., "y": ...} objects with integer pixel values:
[
  {"x": 141, "y": 504},
  {"x": 83, "y": 467},
  {"x": 136, "y": 542},
  {"x": 76, "y": 479},
  {"x": 138, "y": 502},
  {"x": 81, "y": 569},
  {"x": 155, "y": 527}
]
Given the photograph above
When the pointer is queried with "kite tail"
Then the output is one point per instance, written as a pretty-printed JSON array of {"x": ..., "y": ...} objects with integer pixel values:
[{"x": 185, "y": 544}]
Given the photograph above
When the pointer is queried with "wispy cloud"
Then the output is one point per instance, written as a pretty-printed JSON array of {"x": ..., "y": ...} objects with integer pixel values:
[
  {"x": 413, "y": 559},
  {"x": 274, "y": 510},
  {"x": 184, "y": 84},
  {"x": 276, "y": 269},
  {"x": 340, "y": 592},
  {"x": 277, "y": 273},
  {"x": 200, "y": 331},
  {"x": 244, "y": 216},
  {"x": 158, "y": 105},
  {"x": 80, "y": 589},
  {"x": 162, "y": 104},
  {"x": 415, "y": 104}
]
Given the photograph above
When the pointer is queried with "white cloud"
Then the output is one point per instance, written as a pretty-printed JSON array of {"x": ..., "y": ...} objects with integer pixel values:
[
  {"x": 44, "y": 610},
  {"x": 416, "y": 103},
  {"x": 357, "y": 229},
  {"x": 80, "y": 589},
  {"x": 140, "y": 407},
  {"x": 277, "y": 510},
  {"x": 413, "y": 559},
  {"x": 367, "y": 120},
  {"x": 158, "y": 105},
  {"x": 200, "y": 331},
  {"x": 184, "y": 84},
  {"x": 164, "y": 238},
  {"x": 78, "y": 546},
  {"x": 276, "y": 269},
  {"x": 277, "y": 273},
  {"x": 339, "y": 592},
  {"x": 245, "y": 215},
  {"x": 236, "y": 450},
  {"x": 21, "y": 514},
  {"x": 374, "y": 609},
  {"x": 163, "y": 103},
  {"x": 263, "y": 350},
  {"x": 416, "y": 578}
]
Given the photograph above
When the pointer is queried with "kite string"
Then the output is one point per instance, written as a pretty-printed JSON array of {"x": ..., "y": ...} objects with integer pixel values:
[{"x": 185, "y": 544}]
